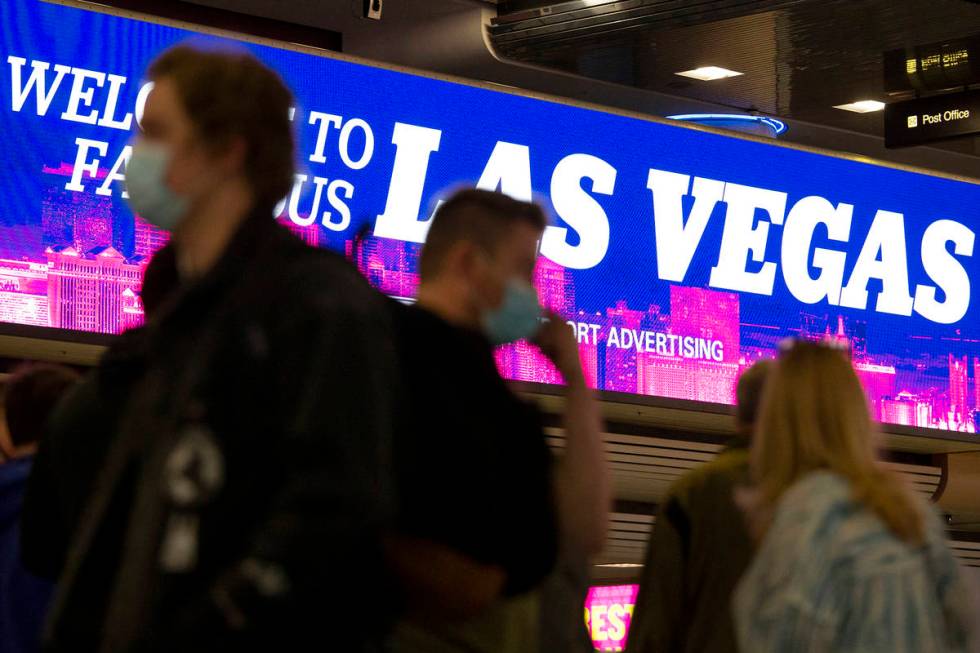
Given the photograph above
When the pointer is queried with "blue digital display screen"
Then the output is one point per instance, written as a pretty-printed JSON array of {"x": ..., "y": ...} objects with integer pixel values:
[{"x": 679, "y": 255}]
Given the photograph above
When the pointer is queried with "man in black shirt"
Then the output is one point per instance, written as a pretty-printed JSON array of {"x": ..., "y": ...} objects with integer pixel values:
[
  {"x": 243, "y": 499},
  {"x": 474, "y": 472}
]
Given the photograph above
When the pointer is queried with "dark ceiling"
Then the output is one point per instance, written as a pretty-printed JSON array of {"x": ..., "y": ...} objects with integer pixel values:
[{"x": 799, "y": 57}]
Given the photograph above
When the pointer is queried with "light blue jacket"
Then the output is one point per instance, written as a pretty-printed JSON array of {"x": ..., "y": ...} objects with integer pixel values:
[{"x": 830, "y": 576}]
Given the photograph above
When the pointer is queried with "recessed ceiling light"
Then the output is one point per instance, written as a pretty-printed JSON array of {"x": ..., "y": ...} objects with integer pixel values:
[
  {"x": 709, "y": 73},
  {"x": 862, "y": 106},
  {"x": 620, "y": 565}
]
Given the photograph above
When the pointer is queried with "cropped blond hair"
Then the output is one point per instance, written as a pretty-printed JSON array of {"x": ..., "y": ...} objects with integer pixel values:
[{"x": 814, "y": 416}]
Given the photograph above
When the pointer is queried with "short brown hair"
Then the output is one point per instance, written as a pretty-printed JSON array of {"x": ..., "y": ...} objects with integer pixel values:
[
  {"x": 233, "y": 94},
  {"x": 481, "y": 217},
  {"x": 30, "y": 396}
]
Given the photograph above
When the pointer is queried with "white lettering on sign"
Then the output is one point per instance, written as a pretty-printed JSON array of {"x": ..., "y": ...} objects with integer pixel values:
[
  {"x": 400, "y": 219},
  {"x": 580, "y": 211},
  {"x": 883, "y": 256},
  {"x": 821, "y": 248},
  {"x": 951, "y": 115},
  {"x": 801, "y": 223},
  {"x": 946, "y": 271},
  {"x": 677, "y": 238},
  {"x": 744, "y": 236}
]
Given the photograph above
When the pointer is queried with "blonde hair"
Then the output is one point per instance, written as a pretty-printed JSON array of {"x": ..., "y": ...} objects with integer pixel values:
[{"x": 814, "y": 416}]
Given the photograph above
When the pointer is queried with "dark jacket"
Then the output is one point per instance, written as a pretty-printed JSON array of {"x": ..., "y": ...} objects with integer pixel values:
[
  {"x": 73, "y": 451},
  {"x": 699, "y": 550},
  {"x": 241, "y": 503},
  {"x": 23, "y": 597}
]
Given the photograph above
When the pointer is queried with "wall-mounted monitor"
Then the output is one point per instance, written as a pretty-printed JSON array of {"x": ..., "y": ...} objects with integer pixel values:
[{"x": 680, "y": 255}]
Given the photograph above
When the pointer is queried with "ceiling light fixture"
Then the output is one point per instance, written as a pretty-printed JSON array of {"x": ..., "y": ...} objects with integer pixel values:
[
  {"x": 620, "y": 565},
  {"x": 862, "y": 106},
  {"x": 709, "y": 73},
  {"x": 726, "y": 119}
]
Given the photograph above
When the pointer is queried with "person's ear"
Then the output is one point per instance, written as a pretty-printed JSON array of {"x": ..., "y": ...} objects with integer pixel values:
[
  {"x": 230, "y": 156},
  {"x": 464, "y": 260}
]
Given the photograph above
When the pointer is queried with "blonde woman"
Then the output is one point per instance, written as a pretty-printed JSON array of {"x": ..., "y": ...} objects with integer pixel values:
[{"x": 850, "y": 559}]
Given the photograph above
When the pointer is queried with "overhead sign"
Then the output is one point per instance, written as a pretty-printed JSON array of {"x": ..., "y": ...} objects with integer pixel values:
[
  {"x": 930, "y": 119},
  {"x": 933, "y": 67},
  {"x": 608, "y": 614},
  {"x": 679, "y": 255}
]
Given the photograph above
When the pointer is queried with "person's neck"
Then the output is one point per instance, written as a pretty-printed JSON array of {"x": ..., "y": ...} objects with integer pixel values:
[
  {"x": 447, "y": 304},
  {"x": 204, "y": 234}
]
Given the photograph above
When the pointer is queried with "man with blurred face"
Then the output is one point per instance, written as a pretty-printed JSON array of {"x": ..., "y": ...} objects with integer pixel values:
[
  {"x": 248, "y": 479},
  {"x": 483, "y": 510}
]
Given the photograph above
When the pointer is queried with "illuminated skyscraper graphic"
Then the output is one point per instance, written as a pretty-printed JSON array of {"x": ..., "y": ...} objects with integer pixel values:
[
  {"x": 661, "y": 376},
  {"x": 706, "y": 314},
  {"x": 85, "y": 290},
  {"x": 132, "y": 310},
  {"x": 958, "y": 408},
  {"x": 621, "y": 362},
  {"x": 522, "y": 361},
  {"x": 899, "y": 410},
  {"x": 147, "y": 238},
  {"x": 709, "y": 316},
  {"x": 589, "y": 355},
  {"x": 859, "y": 339},
  {"x": 389, "y": 265},
  {"x": 309, "y": 234},
  {"x": 94, "y": 231},
  {"x": 939, "y": 400},
  {"x": 878, "y": 382},
  {"x": 24, "y": 292},
  {"x": 84, "y": 219},
  {"x": 811, "y": 326},
  {"x": 556, "y": 290},
  {"x": 839, "y": 337},
  {"x": 976, "y": 383}
]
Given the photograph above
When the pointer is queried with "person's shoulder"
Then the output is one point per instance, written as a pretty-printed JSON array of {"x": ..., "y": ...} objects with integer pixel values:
[
  {"x": 422, "y": 327},
  {"x": 419, "y": 317},
  {"x": 727, "y": 469},
  {"x": 818, "y": 489},
  {"x": 304, "y": 259},
  {"x": 820, "y": 512},
  {"x": 312, "y": 278}
]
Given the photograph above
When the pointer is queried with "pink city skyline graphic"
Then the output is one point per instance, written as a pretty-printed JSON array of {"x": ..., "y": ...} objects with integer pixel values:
[
  {"x": 706, "y": 316},
  {"x": 82, "y": 280},
  {"x": 694, "y": 348}
]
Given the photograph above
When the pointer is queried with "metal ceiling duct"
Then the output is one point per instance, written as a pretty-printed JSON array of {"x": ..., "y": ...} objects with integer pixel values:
[{"x": 589, "y": 18}]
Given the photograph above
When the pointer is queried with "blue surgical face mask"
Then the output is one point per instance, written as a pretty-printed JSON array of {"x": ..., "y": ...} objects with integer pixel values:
[
  {"x": 149, "y": 195},
  {"x": 518, "y": 315}
]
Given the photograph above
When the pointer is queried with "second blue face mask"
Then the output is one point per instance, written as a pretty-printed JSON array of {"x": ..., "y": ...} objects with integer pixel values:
[{"x": 518, "y": 316}]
